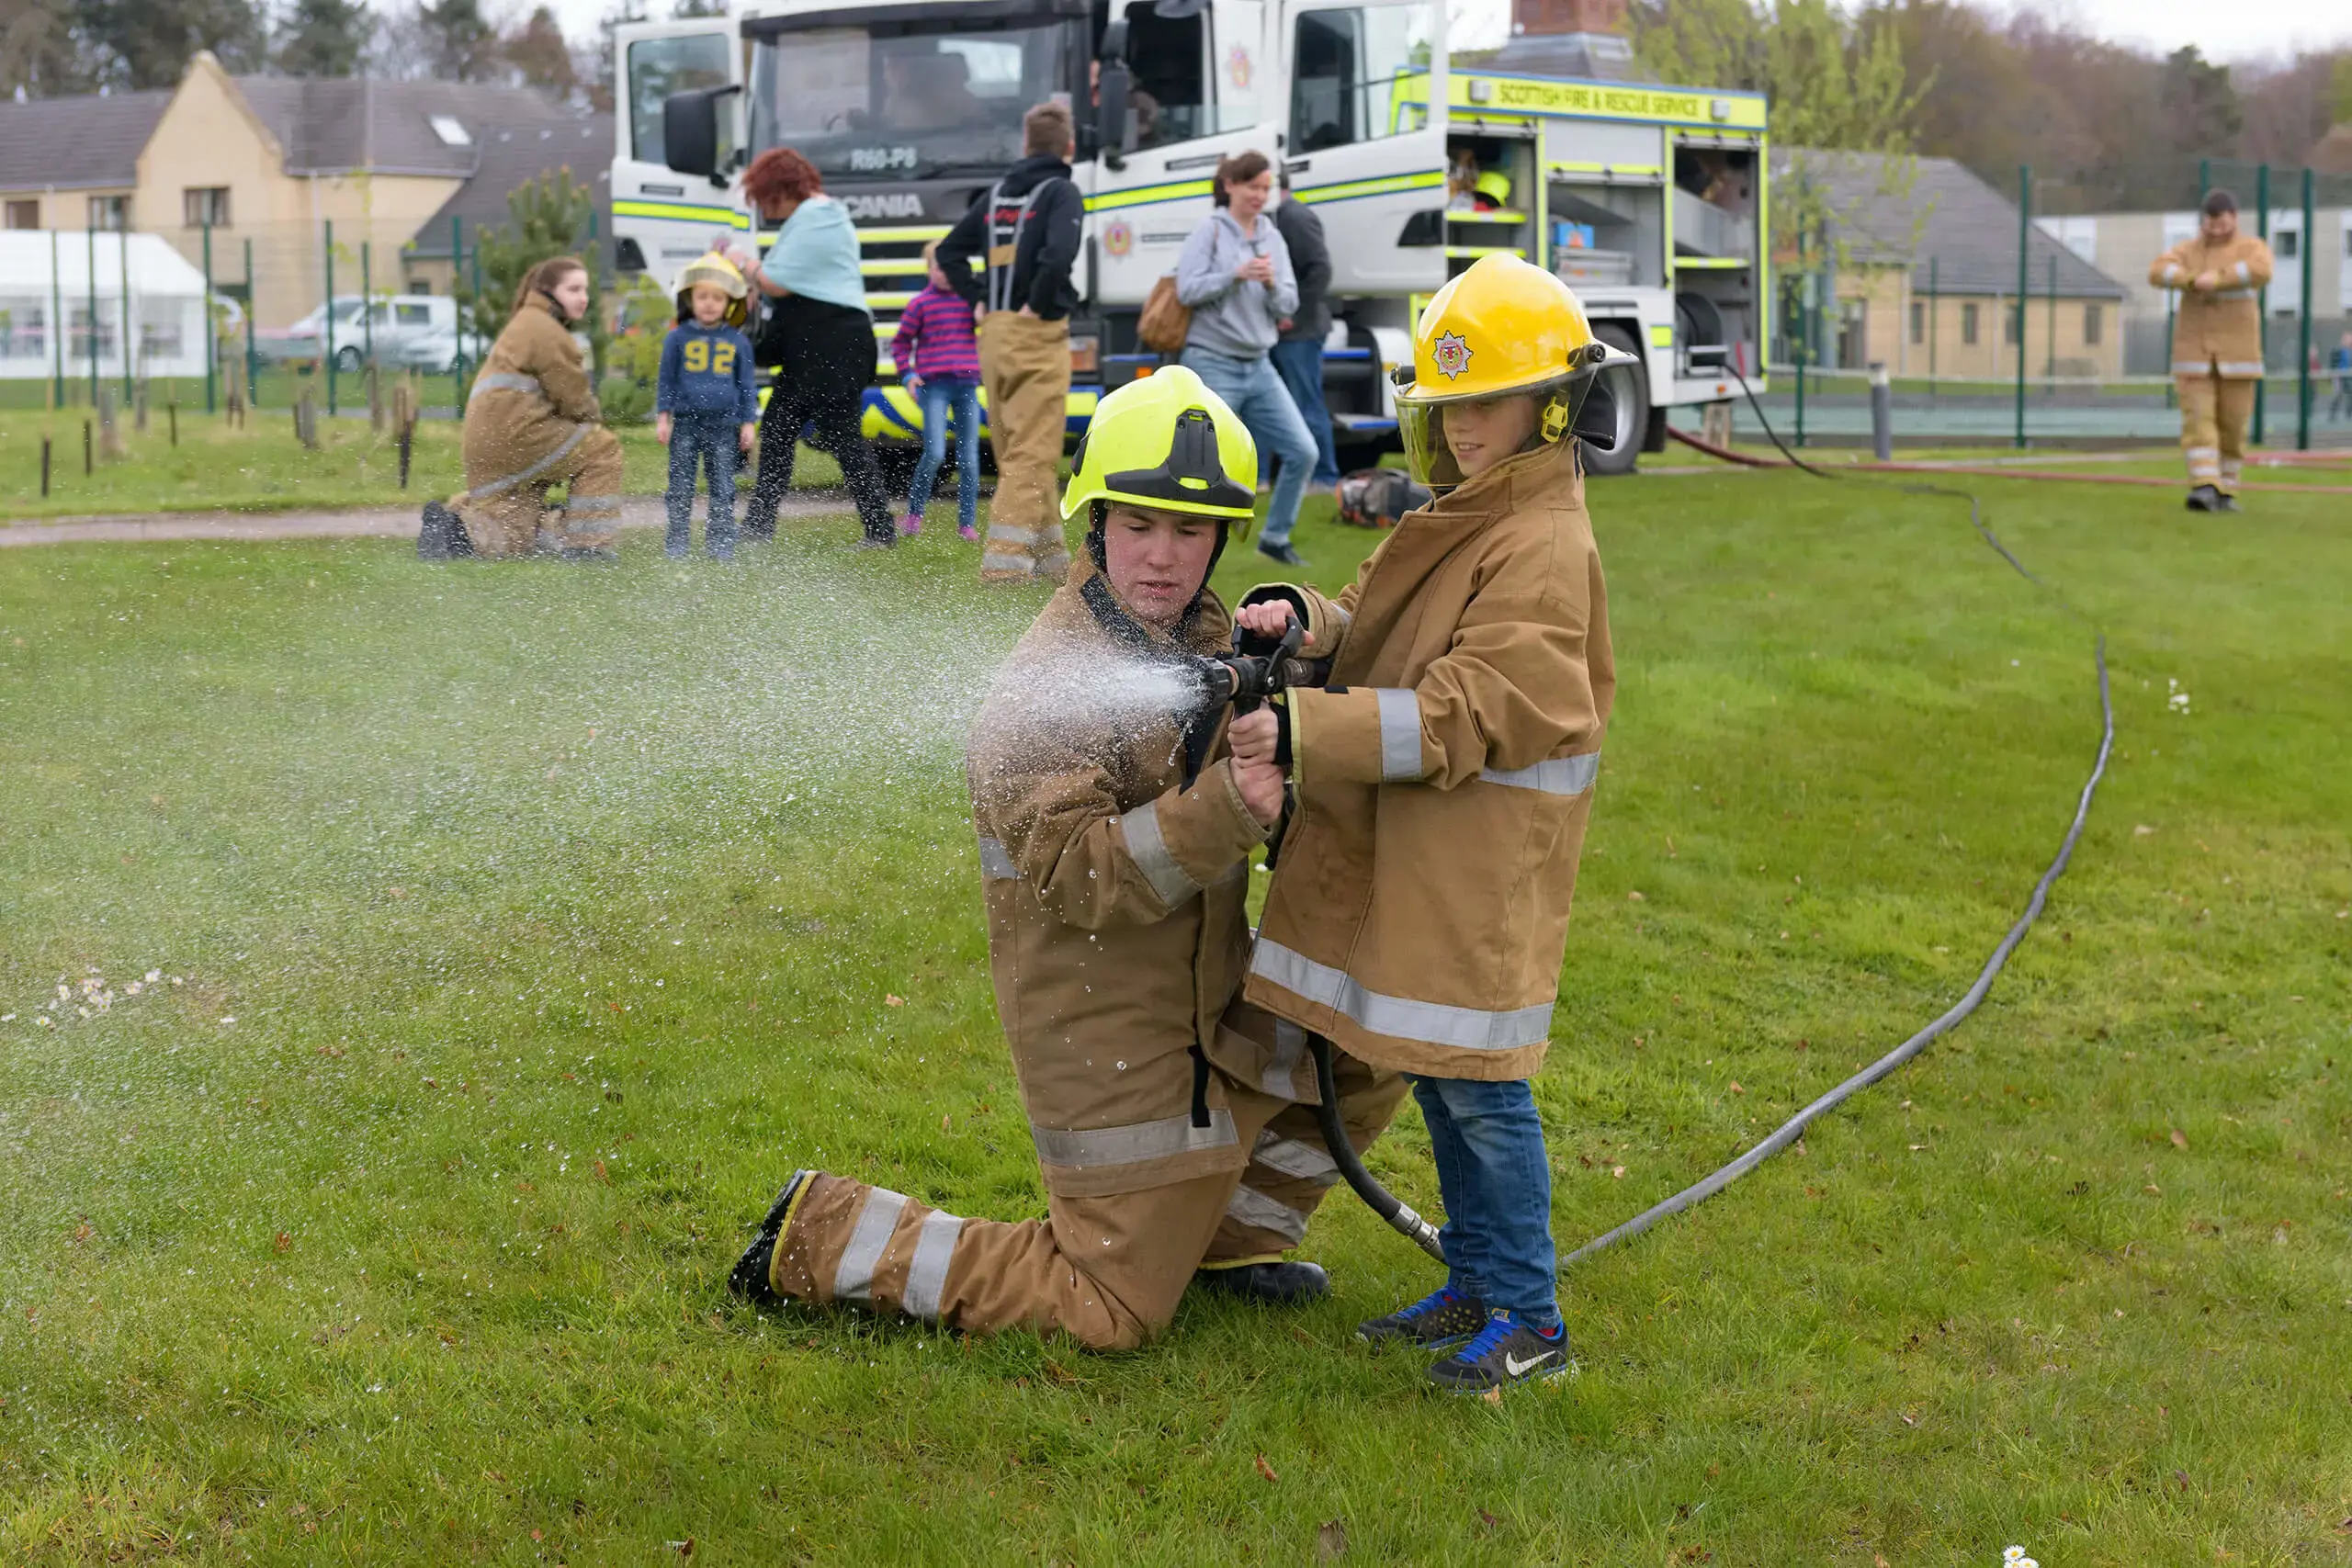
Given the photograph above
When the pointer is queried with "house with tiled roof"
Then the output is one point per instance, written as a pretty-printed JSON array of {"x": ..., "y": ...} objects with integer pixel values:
[
  {"x": 292, "y": 181},
  {"x": 1921, "y": 257}
]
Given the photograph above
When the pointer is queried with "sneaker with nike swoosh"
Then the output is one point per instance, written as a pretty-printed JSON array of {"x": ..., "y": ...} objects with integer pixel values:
[{"x": 1508, "y": 1350}]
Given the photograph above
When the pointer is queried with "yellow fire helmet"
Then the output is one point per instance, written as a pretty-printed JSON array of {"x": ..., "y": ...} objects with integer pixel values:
[
  {"x": 720, "y": 273},
  {"x": 1503, "y": 328},
  {"x": 1495, "y": 186},
  {"x": 1167, "y": 443}
]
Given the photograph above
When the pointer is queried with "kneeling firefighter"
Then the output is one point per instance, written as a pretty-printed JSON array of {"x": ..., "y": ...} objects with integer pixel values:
[
  {"x": 532, "y": 421},
  {"x": 1114, "y": 840}
]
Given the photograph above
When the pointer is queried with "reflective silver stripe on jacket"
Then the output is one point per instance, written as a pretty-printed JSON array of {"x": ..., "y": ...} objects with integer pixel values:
[
  {"x": 1149, "y": 850},
  {"x": 1342, "y": 623},
  {"x": 1309, "y": 1162},
  {"x": 1400, "y": 1017},
  {"x": 1290, "y": 1044},
  {"x": 995, "y": 864},
  {"x": 579, "y": 433},
  {"x": 877, "y": 1218},
  {"x": 1135, "y": 1142},
  {"x": 1400, "y": 734},
  {"x": 927, "y": 1275},
  {"x": 1257, "y": 1211},
  {"x": 1556, "y": 775},
  {"x": 2245, "y": 273},
  {"x": 509, "y": 381}
]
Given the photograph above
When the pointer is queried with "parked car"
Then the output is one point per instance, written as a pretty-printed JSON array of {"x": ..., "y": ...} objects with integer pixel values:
[{"x": 408, "y": 331}]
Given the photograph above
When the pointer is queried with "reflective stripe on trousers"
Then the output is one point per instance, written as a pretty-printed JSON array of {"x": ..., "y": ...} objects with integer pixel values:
[
  {"x": 996, "y": 866},
  {"x": 1082, "y": 1148},
  {"x": 509, "y": 381},
  {"x": 1401, "y": 1017},
  {"x": 496, "y": 487},
  {"x": 878, "y": 1221},
  {"x": 1254, "y": 1209}
]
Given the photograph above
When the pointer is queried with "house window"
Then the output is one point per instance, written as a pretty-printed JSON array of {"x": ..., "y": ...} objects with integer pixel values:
[
  {"x": 82, "y": 341},
  {"x": 109, "y": 212},
  {"x": 2012, "y": 320},
  {"x": 2286, "y": 243},
  {"x": 1919, "y": 322},
  {"x": 24, "y": 330},
  {"x": 2094, "y": 325},
  {"x": 200, "y": 205},
  {"x": 159, "y": 340},
  {"x": 1968, "y": 326},
  {"x": 24, "y": 214}
]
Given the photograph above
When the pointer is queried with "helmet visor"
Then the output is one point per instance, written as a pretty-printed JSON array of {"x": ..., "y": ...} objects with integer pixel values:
[{"x": 1429, "y": 456}]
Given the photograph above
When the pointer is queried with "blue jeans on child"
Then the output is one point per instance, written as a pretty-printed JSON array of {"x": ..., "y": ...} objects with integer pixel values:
[
  {"x": 1251, "y": 390},
  {"x": 1300, "y": 364},
  {"x": 1487, "y": 1139},
  {"x": 941, "y": 393},
  {"x": 714, "y": 439}
]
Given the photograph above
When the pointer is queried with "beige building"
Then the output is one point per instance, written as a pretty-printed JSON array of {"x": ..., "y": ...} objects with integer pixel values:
[
  {"x": 274, "y": 166},
  {"x": 1922, "y": 259}
]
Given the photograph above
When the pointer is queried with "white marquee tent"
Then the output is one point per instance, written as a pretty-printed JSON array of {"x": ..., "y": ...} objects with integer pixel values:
[{"x": 87, "y": 283}]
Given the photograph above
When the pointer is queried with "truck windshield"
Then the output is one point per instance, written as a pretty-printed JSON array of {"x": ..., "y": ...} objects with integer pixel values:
[{"x": 905, "y": 101}]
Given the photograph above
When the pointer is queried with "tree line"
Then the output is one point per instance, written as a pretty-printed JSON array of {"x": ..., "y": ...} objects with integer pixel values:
[
  {"x": 56, "y": 48},
  {"x": 2106, "y": 127}
]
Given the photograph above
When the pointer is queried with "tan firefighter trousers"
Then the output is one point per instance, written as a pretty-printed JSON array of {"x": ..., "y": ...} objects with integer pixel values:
[
  {"x": 1106, "y": 1270},
  {"x": 509, "y": 516},
  {"x": 2214, "y": 412},
  {"x": 1025, "y": 370}
]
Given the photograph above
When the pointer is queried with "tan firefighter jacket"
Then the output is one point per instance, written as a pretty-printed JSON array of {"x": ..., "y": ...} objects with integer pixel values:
[
  {"x": 1444, "y": 778},
  {"x": 530, "y": 406},
  {"x": 1114, "y": 893},
  {"x": 2219, "y": 332}
]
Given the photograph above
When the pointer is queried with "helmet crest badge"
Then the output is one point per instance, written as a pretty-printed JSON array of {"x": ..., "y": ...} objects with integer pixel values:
[{"x": 1452, "y": 355}]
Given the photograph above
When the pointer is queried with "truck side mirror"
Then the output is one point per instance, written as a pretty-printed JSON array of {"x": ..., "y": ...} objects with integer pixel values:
[
  {"x": 690, "y": 131},
  {"x": 1111, "y": 95}
]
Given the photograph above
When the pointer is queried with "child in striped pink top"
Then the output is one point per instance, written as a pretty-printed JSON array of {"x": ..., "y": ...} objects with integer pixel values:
[{"x": 938, "y": 357}]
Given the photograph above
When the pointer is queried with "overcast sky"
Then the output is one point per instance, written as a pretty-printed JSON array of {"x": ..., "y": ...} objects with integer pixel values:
[{"x": 2255, "y": 29}]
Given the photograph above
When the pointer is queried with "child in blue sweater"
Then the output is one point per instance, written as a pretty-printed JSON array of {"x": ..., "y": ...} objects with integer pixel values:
[{"x": 708, "y": 402}]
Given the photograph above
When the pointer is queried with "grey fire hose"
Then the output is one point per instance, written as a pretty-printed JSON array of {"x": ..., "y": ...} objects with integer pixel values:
[{"x": 1419, "y": 1230}]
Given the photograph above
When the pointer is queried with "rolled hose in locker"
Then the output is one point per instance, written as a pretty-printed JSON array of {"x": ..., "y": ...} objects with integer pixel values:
[{"x": 1412, "y": 1225}]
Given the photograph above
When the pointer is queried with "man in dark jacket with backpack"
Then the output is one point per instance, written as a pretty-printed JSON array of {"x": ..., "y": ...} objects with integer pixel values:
[
  {"x": 1298, "y": 356},
  {"x": 1025, "y": 235}
]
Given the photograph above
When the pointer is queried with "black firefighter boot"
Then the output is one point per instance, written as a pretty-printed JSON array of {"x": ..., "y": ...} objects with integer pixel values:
[
  {"x": 2204, "y": 498},
  {"x": 1277, "y": 1283},
  {"x": 441, "y": 535},
  {"x": 750, "y": 1278}
]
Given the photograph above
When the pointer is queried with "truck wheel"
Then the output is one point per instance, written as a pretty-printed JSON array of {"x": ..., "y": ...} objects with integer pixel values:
[
  {"x": 1631, "y": 388},
  {"x": 347, "y": 360}
]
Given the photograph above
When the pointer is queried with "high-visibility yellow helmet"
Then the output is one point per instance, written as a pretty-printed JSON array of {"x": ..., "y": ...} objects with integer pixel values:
[
  {"x": 1168, "y": 443},
  {"x": 720, "y": 273},
  {"x": 1504, "y": 328},
  {"x": 1495, "y": 186}
]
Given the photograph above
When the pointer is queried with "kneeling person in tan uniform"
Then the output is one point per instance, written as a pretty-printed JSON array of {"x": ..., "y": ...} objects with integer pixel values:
[{"x": 1114, "y": 840}]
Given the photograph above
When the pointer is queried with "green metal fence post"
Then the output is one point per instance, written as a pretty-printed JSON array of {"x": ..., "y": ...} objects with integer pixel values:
[
  {"x": 367, "y": 300},
  {"x": 56, "y": 323},
  {"x": 2307, "y": 253},
  {"x": 122, "y": 237},
  {"x": 252, "y": 353},
  {"x": 2262, "y": 305},
  {"x": 90, "y": 335},
  {"x": 2025, "y": 223},
  {"x": 2050, "y": 349},
  {"x": 328, "y": 326},
  {"x": 457, "y": 271},
  {"x": 211, "y": 337},
  {"x": 1935, "y": 311}
]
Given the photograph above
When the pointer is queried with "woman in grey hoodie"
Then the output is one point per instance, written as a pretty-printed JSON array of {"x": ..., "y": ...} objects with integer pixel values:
[{"x": 1235, "y": 275}]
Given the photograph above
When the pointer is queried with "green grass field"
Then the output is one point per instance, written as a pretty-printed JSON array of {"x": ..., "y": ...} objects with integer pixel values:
[
  {"x": 262, "y": 468},
  {"x": 516, "y": 929}
]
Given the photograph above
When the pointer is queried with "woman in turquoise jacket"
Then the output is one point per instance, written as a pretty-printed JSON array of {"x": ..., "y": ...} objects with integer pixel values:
[{"x": 819, "y": 320}]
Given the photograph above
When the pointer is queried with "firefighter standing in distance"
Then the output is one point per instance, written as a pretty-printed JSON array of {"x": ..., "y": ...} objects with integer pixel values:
[{"x": 2216, "y": 345}]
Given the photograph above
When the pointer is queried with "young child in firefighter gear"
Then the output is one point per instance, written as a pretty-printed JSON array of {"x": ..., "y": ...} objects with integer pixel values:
[
  {"x": 1114, "y": 835},
  {"x": 706, "y": 402},
  {"x": 1443, "y": 777}
]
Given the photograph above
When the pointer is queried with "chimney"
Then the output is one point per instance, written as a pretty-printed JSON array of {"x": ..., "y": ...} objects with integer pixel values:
[{"x": 1567, "y": 16}]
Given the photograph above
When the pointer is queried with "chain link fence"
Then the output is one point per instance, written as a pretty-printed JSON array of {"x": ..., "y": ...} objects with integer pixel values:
[
  {"x": 257, "y": 316},
  {"x": 2050, "y": 357}
]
